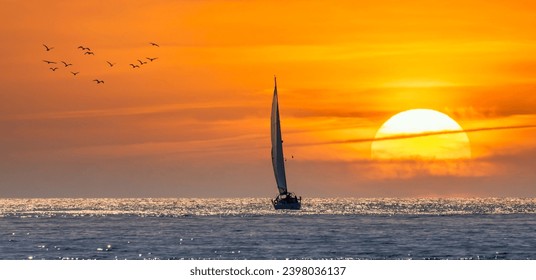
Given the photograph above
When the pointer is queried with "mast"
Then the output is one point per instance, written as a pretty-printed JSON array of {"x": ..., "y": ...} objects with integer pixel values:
[{"x": 278, "y": 160}]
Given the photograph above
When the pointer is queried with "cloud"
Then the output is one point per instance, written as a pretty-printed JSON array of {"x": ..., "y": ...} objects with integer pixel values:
[
  {"x": 416, "y": 135},
  {"x": 127, "y": 111}
]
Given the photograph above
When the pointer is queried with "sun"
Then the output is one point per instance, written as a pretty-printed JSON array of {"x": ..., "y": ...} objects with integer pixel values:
[{"x": 394, "y": 139}]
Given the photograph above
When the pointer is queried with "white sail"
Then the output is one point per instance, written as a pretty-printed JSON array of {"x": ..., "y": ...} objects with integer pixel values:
[{"x": 278, "y": 161}]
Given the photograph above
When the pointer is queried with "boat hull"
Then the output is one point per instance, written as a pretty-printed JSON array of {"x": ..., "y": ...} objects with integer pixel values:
[
  {"x": 287, "y": 201},
  {"x": 290, "y": 206}
]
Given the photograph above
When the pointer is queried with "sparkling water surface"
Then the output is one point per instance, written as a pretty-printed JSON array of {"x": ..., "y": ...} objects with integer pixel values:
[{"x": 249, "y": 228}]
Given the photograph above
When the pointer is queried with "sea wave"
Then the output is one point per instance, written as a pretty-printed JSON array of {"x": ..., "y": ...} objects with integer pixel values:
[{"x": 51, "y": 207}]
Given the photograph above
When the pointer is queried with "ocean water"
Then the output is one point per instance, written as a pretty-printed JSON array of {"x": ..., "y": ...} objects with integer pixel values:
[{"x": 249, "y": 228}]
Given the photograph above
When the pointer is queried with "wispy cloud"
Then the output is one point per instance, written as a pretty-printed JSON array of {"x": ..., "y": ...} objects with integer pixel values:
[
  {"x": 416, "y": 135},
  {"x": 127, "y": 111}
]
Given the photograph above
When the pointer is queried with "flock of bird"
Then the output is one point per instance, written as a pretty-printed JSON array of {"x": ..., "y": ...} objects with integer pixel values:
[{"x": 88, "y": 51}]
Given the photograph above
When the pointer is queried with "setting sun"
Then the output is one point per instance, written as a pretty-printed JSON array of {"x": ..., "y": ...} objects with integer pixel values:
[{"x": 395, "y": 138}]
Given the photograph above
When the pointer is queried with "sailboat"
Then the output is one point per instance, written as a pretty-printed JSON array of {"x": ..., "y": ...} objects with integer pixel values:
[{"x": 285, "y": 199}]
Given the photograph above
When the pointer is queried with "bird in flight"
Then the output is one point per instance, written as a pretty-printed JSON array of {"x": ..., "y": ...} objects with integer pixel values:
[
  {"x": 74, "y": 73},
  {"x": 111, "y": 64},
  {"x": 99, "y": 81},
  {"x": 154, "y": 44},
  {"x": 88, "y": 52},
  {"x": 47, "y": 47},
  {"x": 53, "y": 68},
  {"x": 134, "y": 65},
  {"x": 151, "y": 59},
  {"x": 49, "y": 62},
  {"x": 84, "y": 48},
  {"x": 141, "y": 62},
  {"x": 66, "y": 64}
]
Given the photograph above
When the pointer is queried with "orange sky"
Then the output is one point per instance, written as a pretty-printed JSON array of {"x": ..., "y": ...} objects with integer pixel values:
[{"x": 195, "y": 122}]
